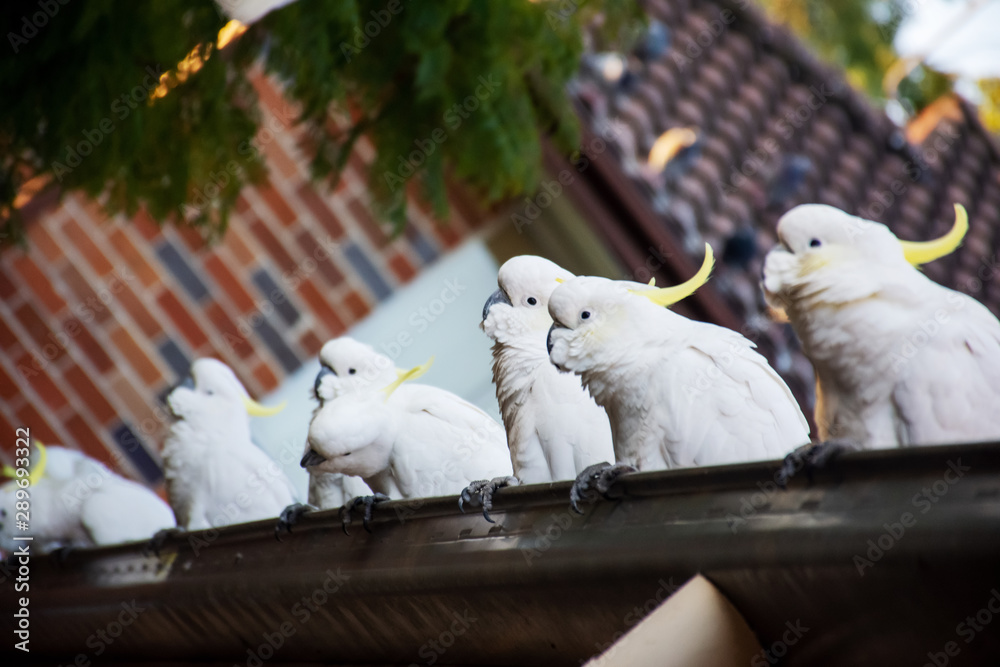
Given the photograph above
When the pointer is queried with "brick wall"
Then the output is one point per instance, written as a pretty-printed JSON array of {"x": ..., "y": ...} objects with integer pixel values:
[{"x": 99, "y": 317}]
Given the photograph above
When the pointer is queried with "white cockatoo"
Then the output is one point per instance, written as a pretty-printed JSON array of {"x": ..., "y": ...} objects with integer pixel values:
[
  {"x": 678, "y": 393},
  {"x": 216, "y": 476},
  {"x": 75, "y": 501},
  {"x": 406, "y": 440},
  {"x": 554, "y": 428},
  {"x": 900, "y": 360}
]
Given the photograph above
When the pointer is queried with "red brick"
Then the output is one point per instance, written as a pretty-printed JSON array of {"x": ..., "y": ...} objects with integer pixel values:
[
  {"x": 7, "y": 439},
  {"x": 402, "y": 267},
  {"x": 7, "y": 337},
  {"x": 38, "y": 330},
  {"x": 88, "y": 392},
  {"x": 228, "y": 331},
  {"x": 242, "y": 205},
  {"x": 237, "y": 244},
  {"x": 40, "y": 238},
  {"x": 7, "y": 287},
  {"x": 179, "y": 315},
  {"x": 39, "y": 284},
  {"x": 272, "y": 98},
  {"x": 272, "y": 245},
  {"x": 356, "y": 304},
  {"x": 369, "y": 225},
  {"x": 448, "y": 234},
  {"x": 145, "y": 225},
  {"x": 277, "y": 157},
  {"x": 266, "y": 377},
  {"x": 322, "y": 255},
  {"x": 191, "y": 237},
  {"x": 149, "y": 419},
  {"x": 136, "y": 357},
  {"x": 137, "y": 310},
  {"x": 81, "y": 239},
  {"x": 37, "y": 376},
  {"x": 88, "y": 441},
  {"x": 136, "y": 262},
  {"x": 86, "y": 296},
  {"x": 311, "y": 343},
  {"x": 229, "y": 283},
  {"x": 8, "y": 389},
  {"x": 29, "y": 417},
  {"x": 277, "y": 203},
  {"x": 85, "y": 341},
  {"x": 314, "y": 202},
  {"x": 319, "y": 307}
]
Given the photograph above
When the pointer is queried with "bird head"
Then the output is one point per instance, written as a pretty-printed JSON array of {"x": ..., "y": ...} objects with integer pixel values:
[
  {"x": 348, "y": 365},
  {"x": 519, "y": 308},
  {"x": 212, "y": 394},
  {"x": 353, "y": 435},
  {"x": 594, "y": 319},
  {"x": 831, "y": 256}
]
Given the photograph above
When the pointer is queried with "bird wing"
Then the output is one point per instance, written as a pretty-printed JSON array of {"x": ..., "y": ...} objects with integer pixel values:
[
  {"x": 124, "y": 511},
  {"x": 444, "y": 442},
  {"x": 727, "y": 404},
  {"x": 950, "y": 389}
]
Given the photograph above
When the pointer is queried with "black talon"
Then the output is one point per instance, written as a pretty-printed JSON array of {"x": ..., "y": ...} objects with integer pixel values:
[
  {"x": 599, "y": 477},
  {"x": 812, "y": 458},
  {"x": 289, "y": 517},
  {"x": 158, "y": 539},
  {"x": 481, "y": 493},
  {"x": 368, "y": 501}
]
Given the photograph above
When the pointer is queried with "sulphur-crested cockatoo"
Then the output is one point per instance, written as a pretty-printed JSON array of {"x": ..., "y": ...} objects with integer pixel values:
[
  {"x": 216, "y": 476},
  {"x": 406, "y": 440},
  {"x": 346, "y": 365},
  {"x": 899, "y": 359},
  {"x": 678, "y": 393},
  {"x": 554, "y": 428},
  {"x": 75, "y": 501}
]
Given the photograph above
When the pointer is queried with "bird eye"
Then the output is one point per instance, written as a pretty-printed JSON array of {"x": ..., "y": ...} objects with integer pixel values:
[
  {"x": 532, "y": 301},
  {"x": 585, "y": 315},
  {"x": 351, "y": 371},
  {"x": 815, "y": 243},
  {"x": 210, "y": 392}
]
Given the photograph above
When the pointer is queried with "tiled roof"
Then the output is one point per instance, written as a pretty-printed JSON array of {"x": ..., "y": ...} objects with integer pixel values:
[{"x": 777, "y": 128}]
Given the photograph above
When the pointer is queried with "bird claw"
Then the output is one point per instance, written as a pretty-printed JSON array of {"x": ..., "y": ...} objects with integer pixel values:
[
  {"x": 159, "y": 538},
  {"x": 368, "y": 501},
  {"x": 289, "y": 517},
  {"x": 480, "y": 493},
  {"x": 812, "y": 458},
  {"x": 599, "y": 477}
]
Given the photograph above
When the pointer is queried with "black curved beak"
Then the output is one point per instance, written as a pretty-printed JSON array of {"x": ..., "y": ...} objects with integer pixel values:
[
  {"x": 187, "y": 382},
  {"x": 323, "y": 372},
  {"x": 548, "y": 339},
  {"x": 311, "y": 458},
  {"x": 497, "y": 297}
]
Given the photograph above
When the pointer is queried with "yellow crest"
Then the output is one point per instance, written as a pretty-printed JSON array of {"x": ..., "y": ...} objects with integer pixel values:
[
  {"x": 922, "y": 252},
  {"x": 666, "y": 296}
]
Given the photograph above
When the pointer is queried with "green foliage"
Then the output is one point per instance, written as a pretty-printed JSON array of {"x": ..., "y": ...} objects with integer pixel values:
[
  {"x": 452, "y": 87},
  {"x": 847, "y": 33}
]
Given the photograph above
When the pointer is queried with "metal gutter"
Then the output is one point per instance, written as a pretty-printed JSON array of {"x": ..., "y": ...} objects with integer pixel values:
[{"x": 546, "y": 587}]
